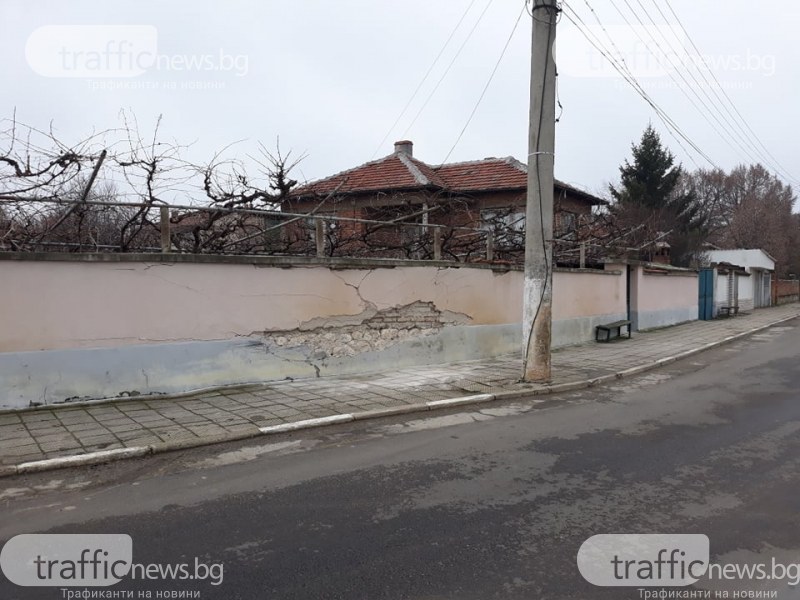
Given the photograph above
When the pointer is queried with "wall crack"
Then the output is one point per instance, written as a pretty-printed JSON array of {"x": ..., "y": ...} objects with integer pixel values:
[{"x": 372, "y": 330}]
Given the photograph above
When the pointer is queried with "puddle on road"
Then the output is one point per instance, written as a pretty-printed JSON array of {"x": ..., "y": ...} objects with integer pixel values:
[
  {"x": 463, "y": 418},
  {"x": 53, "y": 484},
  {"x": 710, "y": 506},
  {"x": 249, "y": 453},
  {"x": 641, "y": 381},
  {"x": 762, "y": 448},
  {"x": 433, "y": 423}
]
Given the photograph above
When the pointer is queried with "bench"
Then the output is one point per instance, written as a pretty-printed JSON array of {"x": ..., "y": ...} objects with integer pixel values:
[
  {"x": 609, "y": 327},
  {"x": 728, "y": 310}
]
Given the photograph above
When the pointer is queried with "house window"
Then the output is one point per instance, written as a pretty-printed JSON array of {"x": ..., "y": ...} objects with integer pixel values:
[
  {"x": 311, "y": 227},
  {"x": 503, "y": 220},
  {"x": 507, "y": 225},
  {"x": 566, "y": 223}
]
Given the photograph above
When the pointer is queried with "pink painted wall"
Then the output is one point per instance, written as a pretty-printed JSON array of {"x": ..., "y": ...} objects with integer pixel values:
[
  {"x": 583, "y": 294},
  {"x": 64, "y": 304},
  {"x": 55, "y": 304},
  {"x": 661, "y": 299},
  {"x": 659, "y": 292}
]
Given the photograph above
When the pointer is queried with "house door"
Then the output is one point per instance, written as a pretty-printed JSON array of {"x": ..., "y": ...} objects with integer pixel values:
[
  {"x": 761, "y": 281},
  {"x": 706, "y": 298},
  {"x": 765, "y": 293}
]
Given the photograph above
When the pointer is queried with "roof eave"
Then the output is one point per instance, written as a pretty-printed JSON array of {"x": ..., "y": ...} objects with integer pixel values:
[{"x": 317, "y": 195}]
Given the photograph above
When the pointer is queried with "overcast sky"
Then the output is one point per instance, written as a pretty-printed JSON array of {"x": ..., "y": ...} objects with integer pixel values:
[{"x": 331, "y": 78}]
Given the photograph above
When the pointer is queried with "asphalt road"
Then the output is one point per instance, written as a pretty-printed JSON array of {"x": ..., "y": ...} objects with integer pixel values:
[{"x": 476, "y": 504}]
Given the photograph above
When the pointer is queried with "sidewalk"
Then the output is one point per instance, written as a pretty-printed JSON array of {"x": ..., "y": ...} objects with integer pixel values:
[{"x": 62, "y": 435}]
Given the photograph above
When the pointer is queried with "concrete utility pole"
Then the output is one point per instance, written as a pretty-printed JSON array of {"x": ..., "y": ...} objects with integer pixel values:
[{"x": 537, "y": 310}]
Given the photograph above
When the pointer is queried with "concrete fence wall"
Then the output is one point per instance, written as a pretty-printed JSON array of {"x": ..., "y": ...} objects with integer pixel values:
[
  {"x": 79, "y": 327},
  {"x": 583, "y": 299},
  {"x": 58, "y": 305},
  {"x": 662, "y": 297}
]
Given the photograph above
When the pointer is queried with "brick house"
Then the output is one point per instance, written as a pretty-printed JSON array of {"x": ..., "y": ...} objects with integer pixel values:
[{"x": 465, "y": 194}]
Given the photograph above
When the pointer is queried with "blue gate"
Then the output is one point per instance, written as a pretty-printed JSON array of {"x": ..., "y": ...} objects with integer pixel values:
[{"x": 706, "y": 300}]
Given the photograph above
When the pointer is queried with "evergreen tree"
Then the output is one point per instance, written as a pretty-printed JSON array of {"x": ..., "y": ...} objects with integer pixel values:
[{"x": 653, "y": 198}]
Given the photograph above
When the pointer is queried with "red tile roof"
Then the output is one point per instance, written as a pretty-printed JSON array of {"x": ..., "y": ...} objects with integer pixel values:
[
  {"x": 401, "y": 172},
  {"x": 394, "y": 172},
  {"x": 490, "y": 174}
]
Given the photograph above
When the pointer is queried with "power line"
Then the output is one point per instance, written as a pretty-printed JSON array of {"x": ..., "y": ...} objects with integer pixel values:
[
  {"x": 449, "y": 66},
  {"x": 424, "y": 78},
  {"x": 725, "y": 93},
  {"x": 488, "y": 82},
  {"x": 705, "y": 110},
  {"x": 729, "y": 128},
  {"x": 672, "y": 127}
]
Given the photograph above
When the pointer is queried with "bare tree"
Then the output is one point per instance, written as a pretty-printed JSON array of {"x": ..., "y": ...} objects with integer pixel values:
[
  {"x": 34, "y": 163},
  {"x": 761, "y": 214}
]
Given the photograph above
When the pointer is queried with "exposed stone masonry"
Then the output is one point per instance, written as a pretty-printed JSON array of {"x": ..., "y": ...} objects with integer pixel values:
[{"x": 382, "y": 329}]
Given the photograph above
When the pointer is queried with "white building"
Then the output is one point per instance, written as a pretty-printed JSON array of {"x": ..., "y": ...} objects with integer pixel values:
[{"x": 747, "y": 287}]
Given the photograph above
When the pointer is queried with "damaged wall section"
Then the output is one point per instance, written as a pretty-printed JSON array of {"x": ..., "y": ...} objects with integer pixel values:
[
  {"x": 338, "y": 336},
  {"x": 99, "y": 326}
]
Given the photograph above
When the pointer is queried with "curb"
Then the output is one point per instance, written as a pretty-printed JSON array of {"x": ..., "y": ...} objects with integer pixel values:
[
  {"x": 91, "y": 458},
  {"x": 306, "y": 424},
  {"x": 106, "y": 456}
]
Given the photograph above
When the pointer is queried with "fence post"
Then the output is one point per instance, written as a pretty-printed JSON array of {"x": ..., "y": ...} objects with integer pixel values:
[
  {"x": 489, "y": 246},
  {"x": 265, "y": 234},
  {"x": 437, "y": 243},
  {"x": 166, "y": 245},
  {"x": 583, "y": 255},
  {"x": 319, "y": 236}
]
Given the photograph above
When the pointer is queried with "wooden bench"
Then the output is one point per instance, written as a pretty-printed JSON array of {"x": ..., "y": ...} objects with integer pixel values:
[
  {"x": 609, "y": 327},
  {"x": 728, "y": 310}
]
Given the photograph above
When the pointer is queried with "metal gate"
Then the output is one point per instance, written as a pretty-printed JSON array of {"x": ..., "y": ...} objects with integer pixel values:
[{"x": 706, "y": 299}]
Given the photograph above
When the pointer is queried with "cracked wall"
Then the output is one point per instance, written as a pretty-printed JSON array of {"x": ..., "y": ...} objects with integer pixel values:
[
  {"x": 81, "y": 329},
  {"x": 89, "y": 327},
  {"x": 373, "y": 330},
  {"x": 49, "y": 305}
]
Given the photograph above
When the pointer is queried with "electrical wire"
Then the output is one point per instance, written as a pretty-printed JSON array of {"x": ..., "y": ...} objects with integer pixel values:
[
  {"x": 672, "y": 127},
  {"x": 622, "y": 63},
  {"x": 488, "y": 82},
  {"x": 424, "y": 78},
  {"x": 728, "y": 128},
  {"x": 668, "y": 121},
  {"x": 725, "y": 131},
  {"x": 719, "y": 87},
  {"x": 447, "y": 70}
]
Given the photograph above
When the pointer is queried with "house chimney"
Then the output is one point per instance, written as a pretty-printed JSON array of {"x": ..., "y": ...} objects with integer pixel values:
[
  {"x": 662, "y": 253},
  {"x": 404, "y": 147}
]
